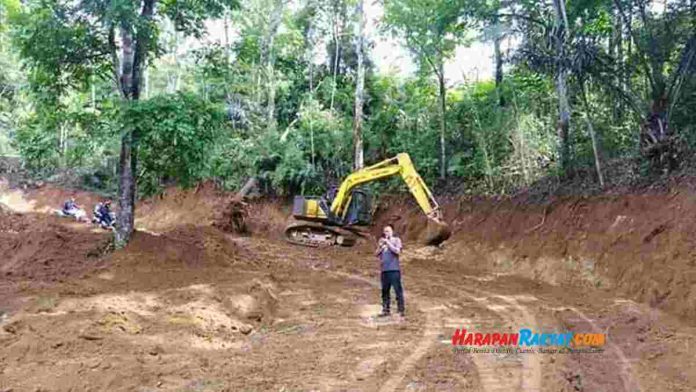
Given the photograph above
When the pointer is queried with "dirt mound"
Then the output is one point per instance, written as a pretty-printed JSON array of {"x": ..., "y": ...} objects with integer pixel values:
[
  {"x": 176, "y": 207},
  {"x": 258, "y": 305},
  {"x": 188, "y": 246},
  {"x": 205, "y": 205},
  {"x": 40, "y": 248},
  {"x": 261, "y": 218},
  {"x": 202, "y": 206},
  {"x": 234, "y": 217}
]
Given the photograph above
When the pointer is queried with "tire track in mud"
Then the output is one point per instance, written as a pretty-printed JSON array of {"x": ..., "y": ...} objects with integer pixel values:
[
  {"x": 523, "y": 377},
  {"x": 531, "y": 365},
  {"x": 427, "y": 340},
  {"x": 628, "y": 379},
  {"x": 433, "y": 317},
  {"x": 494, "y": 372},
  {"x": 533, "y": 368},
  {"x": 489, "y": 367}
]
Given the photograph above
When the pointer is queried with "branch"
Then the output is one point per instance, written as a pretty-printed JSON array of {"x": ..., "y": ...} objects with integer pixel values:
[
  {"x": 114, "y": 60},
  {"x": 625, "y": 95},
  {"x": 523, "y": 17},
  {"x": 543, "y": 220},
  {"x": 677, "y": 79},
  {"x": 421, "y": 53}
]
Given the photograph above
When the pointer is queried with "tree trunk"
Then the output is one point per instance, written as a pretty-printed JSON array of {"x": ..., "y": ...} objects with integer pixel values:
[
  {"x": 249, "y": 190},
  {"x": 63, "y": 144},
  {"x": 336, "y": 59},
  {"x": 443, "y": 112},
  {"x": 359, "y": 88},
  {"x": 228, "y": 50},
  {"x": 498, "y": 70},
  {"x": 133, "y": 53},
  {"x": 174, "y": 80},
  {"x": 595, "y": 149},
  {"x": 126, "y": 190},
  {"x": 498, "y": 62},
  {"x": 310, "y": 41},
  {"x": 126, "y": 184},
  {"x": 563, "y": 125},
  {"x": 146, "y": 83},
  {"x": 590, "y": 129},
  {"x": 270, "y": 105},
  {"x": 267, "y": 56},
  {"x": 93, "y": 90},
  {"x": 618, "y": 26}
]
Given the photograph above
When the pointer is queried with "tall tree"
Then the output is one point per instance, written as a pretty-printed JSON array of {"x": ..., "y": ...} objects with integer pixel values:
[
  {"x": 551, "y": 47},
  {"x": 563, "y": 126},
  {"x": 10, "y": 79},
  {"x": 432, "y": 29},
  {"x": 67, "y": 40},
  {"x": 310, "y": 13},
  {"x": 338, "y": 16},
  {"x": 495, "y": 28},
  {"x": 663, "y": 45},
  {"x": 260, "y": 22},
  {"x": 358, "y": 160},
  {"x": 268, "y": 59},
  {"x": 498, "y": 54}
]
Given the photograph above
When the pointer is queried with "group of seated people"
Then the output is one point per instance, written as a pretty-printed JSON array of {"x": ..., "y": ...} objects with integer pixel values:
[{"x": 102, "y": 212}]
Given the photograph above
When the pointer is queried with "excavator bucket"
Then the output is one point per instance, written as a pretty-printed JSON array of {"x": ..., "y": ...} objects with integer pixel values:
[{"x": 436, "y": 232}]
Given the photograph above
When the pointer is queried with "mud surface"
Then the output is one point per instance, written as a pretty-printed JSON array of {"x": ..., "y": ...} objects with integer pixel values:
[{"x": 188, "y": 307}]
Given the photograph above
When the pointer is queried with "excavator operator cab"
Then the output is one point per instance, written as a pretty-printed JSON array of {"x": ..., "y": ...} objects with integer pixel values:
[
  {"x": 359, "y": 211},
  {"x": 314, "y": 208}
]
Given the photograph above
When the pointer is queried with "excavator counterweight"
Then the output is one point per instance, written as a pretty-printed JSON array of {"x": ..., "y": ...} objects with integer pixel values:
[{"x": 340, "y": 218}]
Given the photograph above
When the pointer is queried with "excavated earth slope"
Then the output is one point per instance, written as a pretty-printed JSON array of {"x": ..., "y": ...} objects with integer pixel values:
[{"x": 188, "y": 307}]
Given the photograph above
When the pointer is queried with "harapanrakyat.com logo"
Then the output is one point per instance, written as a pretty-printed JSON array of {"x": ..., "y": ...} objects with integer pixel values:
[{"x": 528, "y": 341}]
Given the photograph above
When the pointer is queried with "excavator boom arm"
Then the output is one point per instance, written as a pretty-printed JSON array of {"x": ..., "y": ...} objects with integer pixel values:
[
  {"x": 399, "y": 165},
  {"x": 315, "y": 226}
]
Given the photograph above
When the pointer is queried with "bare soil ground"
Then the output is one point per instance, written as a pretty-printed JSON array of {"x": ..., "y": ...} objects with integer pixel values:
[{"x": 188, "y": 307}]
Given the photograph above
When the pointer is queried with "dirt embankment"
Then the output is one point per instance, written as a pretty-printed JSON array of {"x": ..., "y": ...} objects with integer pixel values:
[
  {"x": 639, "y": 246},
  {"x": 187, "y": 306},
  {"x": 42, "y": 248},
  {"x": 43, "y": 199},
  {"x": 207, "y": 206}
]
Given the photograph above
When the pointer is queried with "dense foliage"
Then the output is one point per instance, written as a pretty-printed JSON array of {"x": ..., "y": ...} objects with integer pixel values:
[{"x": 272, "y": 95}]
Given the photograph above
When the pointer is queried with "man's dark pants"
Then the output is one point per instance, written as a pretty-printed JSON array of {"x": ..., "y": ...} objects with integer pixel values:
[{"x": 392, "y": 279}]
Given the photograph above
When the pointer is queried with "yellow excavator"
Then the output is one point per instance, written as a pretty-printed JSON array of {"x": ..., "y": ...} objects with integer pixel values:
[{"x": 341, "y": 216}]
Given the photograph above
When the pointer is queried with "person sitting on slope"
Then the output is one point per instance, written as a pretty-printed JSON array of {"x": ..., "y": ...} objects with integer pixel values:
[
  {"x": 71, "y": 208},
  {"x": 105, "y": 216}
]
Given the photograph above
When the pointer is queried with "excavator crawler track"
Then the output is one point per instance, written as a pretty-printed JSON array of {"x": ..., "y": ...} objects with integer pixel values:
[{"x": 318, "y": 235}]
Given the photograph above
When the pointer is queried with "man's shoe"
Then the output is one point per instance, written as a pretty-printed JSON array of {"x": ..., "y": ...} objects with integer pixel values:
[{"x": 384, "y": 314}]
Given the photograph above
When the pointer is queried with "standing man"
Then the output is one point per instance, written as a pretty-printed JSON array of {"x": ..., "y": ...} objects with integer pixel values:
[{"x": 388, "y": 251}]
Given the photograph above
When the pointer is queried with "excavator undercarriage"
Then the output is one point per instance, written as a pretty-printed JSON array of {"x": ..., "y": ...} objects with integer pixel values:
[{"x": 318, "y": 235}]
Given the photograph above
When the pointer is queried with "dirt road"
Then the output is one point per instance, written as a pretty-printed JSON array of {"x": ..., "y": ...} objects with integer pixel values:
[{"x": 195, "y": 309}]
